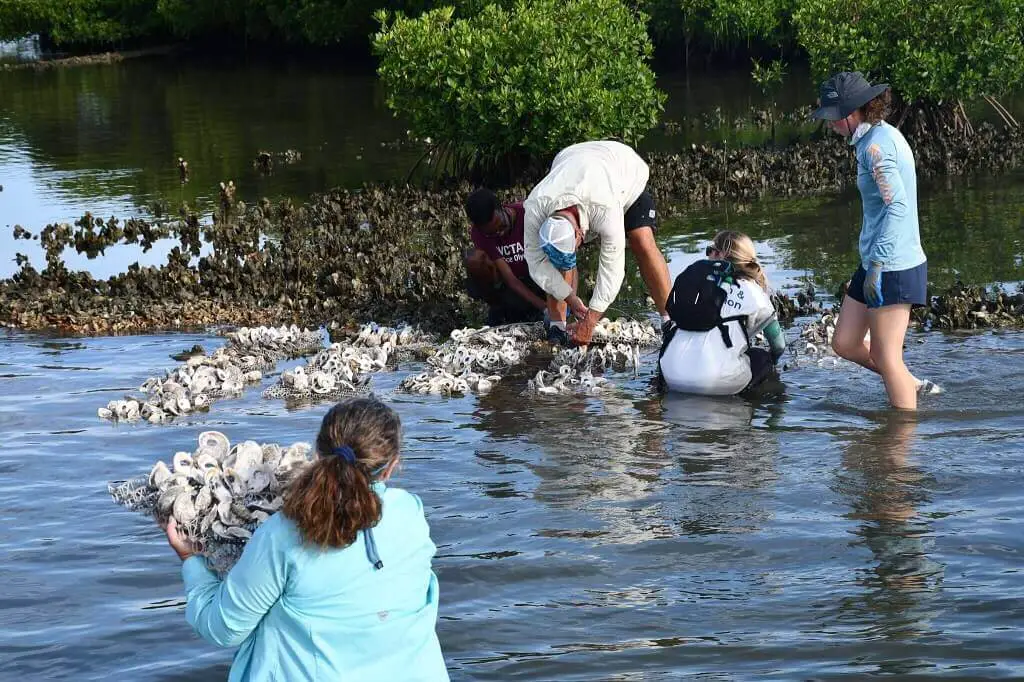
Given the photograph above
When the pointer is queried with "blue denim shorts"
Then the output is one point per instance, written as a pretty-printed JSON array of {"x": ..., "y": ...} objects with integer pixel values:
[{"x": 902, "y": 286}]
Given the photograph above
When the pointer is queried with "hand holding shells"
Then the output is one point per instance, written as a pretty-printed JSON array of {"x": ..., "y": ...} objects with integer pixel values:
[{"x": 181, "y": 546}]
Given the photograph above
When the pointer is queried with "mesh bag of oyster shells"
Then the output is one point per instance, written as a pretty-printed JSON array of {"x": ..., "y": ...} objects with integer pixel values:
[
  {"x": 571, "y": 371},
  {"x": 567, "y": 381},
  {"x": 345, "y": 368},
  {"x": 404, "y": 341},
  {"x": 473, "y": 360},
  {"x": 218, "y": 494},
  {"x": 628, "y": 331},
  {"x": 274, "y": 343},
  {"x": 224, "y": 373}
]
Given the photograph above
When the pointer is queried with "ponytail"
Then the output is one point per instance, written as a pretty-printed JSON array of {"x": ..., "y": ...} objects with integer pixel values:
[
  {"x": 333, "y": 499},
  {"x": 738, "y": 249}
]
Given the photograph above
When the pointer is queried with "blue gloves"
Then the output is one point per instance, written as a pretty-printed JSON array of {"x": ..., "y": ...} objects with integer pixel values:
[{"x": 873, "y": 286}]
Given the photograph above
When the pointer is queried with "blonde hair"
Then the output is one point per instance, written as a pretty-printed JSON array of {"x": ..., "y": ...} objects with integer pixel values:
[{"x": 738, "y": 249}]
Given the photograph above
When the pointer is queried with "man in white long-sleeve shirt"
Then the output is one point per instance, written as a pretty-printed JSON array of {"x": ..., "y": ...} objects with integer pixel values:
[{"x": 595, "y": 191}]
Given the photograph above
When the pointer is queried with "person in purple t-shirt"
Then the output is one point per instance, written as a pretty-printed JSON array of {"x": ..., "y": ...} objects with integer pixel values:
[{"x": 498, "y": 273}]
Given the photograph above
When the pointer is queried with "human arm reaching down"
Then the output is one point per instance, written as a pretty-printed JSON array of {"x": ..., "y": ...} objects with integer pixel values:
[
  {"x": 776, "y": 339},
  {"x": 516, "y": 285}
]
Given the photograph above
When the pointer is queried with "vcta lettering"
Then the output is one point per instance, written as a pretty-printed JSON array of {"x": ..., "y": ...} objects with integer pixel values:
[{"x": 512, "y": 252}]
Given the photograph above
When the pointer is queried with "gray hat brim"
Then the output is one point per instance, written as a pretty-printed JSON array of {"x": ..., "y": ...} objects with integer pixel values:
[
  {"x": 827, "y": 113},
  {"x": 836, "y": 112},
  {"x": 865, "y": 96}
]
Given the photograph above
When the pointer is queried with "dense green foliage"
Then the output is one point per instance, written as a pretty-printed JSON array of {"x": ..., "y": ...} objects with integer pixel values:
[
  {"x": 300, "y": 22},
  {"x": 79, "y": 21},
  {"x": 715, "y": 25},
  {"x": 532, "y": 79},
  {"x": 936, "y": 50}
]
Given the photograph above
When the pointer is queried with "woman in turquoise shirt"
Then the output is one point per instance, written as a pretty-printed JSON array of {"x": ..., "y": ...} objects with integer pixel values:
[
  {"x": 893, "y": 272},
  {"x": 338, "y": 585}
]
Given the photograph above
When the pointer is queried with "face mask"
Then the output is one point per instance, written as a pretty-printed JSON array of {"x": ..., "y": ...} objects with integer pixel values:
[{"x": 558, "y": 242}]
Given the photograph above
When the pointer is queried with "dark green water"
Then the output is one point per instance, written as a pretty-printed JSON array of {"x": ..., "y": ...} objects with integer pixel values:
[{"x": 631, "y": 537}]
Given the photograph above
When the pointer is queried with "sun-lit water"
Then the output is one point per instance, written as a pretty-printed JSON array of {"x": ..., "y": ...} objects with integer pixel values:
[
  {"x": 806, "y": 535},
  {"x": 803, "y": 536}
]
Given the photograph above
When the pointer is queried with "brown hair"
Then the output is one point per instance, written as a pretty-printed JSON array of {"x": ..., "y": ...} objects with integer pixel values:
[
  {"x": 332, "y": 500},
  {"x": 877, "y": 109},
  {"x": 738, "y": 248}
]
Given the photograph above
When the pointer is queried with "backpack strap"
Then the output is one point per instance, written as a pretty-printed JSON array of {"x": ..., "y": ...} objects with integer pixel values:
[
  {"x": 666, "y": 339},
  {"x": 742, "y": 319}
]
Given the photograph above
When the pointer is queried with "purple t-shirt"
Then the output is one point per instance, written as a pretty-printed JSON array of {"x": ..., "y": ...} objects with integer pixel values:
[{"x": 508, "y": 246}]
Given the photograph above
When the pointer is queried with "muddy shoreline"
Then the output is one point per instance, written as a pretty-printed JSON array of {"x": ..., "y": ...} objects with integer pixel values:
[{"x": 391, "y": 254}]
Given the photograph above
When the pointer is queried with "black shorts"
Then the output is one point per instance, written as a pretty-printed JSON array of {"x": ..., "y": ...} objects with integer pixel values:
[
  {"x": 900, "y": 286},
  {"x": 505, "y": 306},
  {"x": 642, "y": 213}
]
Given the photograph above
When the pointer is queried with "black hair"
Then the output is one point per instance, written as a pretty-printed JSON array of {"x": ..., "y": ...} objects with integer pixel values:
[{"x": 481, "y": 205}]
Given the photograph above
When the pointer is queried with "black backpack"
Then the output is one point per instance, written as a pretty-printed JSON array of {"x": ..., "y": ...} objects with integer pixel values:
[{"x": 695, "y": 302}]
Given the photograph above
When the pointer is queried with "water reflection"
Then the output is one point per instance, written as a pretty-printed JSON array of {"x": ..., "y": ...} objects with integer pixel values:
[
  {"x": 647, "y": 468},
  {"x": 886, "y": 489},
  {"x": 106, "y": 138},
  {"x": 971, "y": 229},
  {"x": 602, "y": 456}
]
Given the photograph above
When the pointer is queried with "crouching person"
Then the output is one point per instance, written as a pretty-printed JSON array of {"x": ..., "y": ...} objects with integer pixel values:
[
  {"x": 338, "y": 584},
  {"x": 715, "y": 307},
  {"x": 496, "y": 265}
]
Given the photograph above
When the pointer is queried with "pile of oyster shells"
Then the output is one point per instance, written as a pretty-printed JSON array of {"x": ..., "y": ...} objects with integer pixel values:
[
  {"x": 202, "y": 378},
  {"x": 474, "y": 360},
  {"x": 814, "y": 345},
  {"x": 571, "y": 371},
  {"x": 567, "y": 380},
  {"x": 626, "y": 331},
  {"x": 218, "y": 494},
  {"x": 345, "y": 367}
]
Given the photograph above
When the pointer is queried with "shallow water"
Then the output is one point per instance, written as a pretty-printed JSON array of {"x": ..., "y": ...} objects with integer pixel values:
[
  {"x": 804, "y": 535},
  {"x": 626, "y": 537}
]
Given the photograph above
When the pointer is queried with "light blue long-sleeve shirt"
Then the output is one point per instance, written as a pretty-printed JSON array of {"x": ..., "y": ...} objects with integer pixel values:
[
  {"x": 887, "y": 180},
  {"x": 298, "y": 613}
]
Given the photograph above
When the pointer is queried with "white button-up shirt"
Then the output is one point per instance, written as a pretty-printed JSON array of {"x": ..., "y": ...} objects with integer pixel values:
[{"x": 602, "y": 179}]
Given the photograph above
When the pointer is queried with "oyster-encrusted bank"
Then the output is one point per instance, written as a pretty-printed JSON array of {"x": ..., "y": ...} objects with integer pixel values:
[{"x": 384, "y": 253}]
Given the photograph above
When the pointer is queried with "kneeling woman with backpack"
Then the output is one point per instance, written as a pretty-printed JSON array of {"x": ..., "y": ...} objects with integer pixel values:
[{"x": 716, "y": 306}]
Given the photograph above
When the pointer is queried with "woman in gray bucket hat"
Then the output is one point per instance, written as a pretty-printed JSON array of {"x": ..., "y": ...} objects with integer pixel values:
[{"x": 893, "y": 272}]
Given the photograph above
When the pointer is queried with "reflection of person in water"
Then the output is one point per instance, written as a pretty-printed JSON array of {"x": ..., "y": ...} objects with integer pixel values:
[
  {"x": 622, "y": 462},
  {"x": 885, "y": 490},
  {"x": 660, "y": 453}
]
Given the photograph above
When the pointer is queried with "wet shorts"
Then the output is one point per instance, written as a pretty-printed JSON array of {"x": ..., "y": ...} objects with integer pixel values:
[
  {"x": 642, "y": 213},
  {"x": 761, "y": 366},
  {"x": 902, "y": 286}
]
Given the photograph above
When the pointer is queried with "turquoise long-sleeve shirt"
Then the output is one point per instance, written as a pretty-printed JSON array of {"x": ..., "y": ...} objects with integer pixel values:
[
  {"x": 298, "y": 613},
  {"x": 887, "y": 181}
]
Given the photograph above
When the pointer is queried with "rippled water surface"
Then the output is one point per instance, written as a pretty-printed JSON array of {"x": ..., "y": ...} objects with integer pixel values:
[
  {"x": 627, "y": 537},
  {"x": 808, "y": 535}
]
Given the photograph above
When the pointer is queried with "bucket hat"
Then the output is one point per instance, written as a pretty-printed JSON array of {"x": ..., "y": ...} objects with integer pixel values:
[{"x": 844, "y": 93}]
